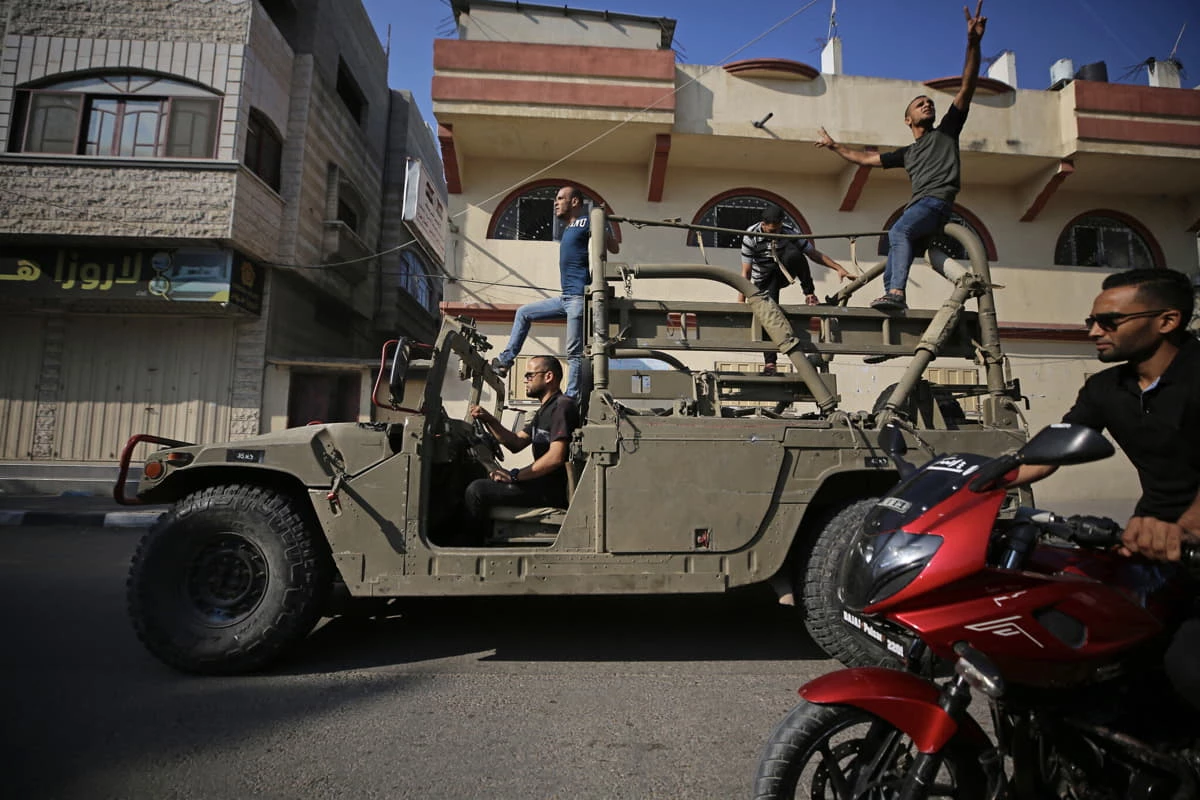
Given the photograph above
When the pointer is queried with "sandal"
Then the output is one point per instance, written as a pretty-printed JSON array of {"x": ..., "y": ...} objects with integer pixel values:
[{"x": 890, "y": 301}]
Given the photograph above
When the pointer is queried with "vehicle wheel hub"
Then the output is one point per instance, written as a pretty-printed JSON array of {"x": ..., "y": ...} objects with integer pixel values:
[{"x": 227, "y": 579}]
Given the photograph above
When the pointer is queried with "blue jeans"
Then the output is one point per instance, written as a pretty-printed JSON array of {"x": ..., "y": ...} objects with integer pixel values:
[
  {"x": 566, "y": 305},
  {"x": 923, "y": 218}
]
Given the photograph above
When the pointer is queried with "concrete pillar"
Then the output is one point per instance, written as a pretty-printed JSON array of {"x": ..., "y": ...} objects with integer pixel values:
[
  {"x": 831, "y": 57},
  {"x": 1004, "y": 68},
  {"x": 1164, "y": 74}
]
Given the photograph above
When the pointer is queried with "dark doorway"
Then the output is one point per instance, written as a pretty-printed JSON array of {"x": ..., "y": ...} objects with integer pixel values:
[{"x": 323, "y": 397}]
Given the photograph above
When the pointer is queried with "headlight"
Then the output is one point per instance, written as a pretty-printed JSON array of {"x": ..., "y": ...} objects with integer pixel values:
[{"x": 881, "y": 564}]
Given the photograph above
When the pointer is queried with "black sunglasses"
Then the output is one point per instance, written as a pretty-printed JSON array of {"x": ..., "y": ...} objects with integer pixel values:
[
  {"x": 1109, "y": 321},
  {"x": 529, "y": 375}
]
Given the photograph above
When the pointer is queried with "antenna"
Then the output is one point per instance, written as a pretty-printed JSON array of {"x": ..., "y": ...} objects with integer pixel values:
[
  {"x": 832, "y": 22},
  {"x": 1175, "y": 49}
]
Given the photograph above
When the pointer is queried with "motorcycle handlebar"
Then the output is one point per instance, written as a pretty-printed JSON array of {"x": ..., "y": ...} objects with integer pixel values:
[{"x": 1099, "y": 532}]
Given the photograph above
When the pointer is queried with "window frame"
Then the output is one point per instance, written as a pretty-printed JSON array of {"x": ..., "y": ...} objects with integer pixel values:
[
  {"x": 90, "y": 90},
  {"x": 789, "y": 210},
  {"x": 252, "y": 157},
  {"x": 1157, "y": 261}
]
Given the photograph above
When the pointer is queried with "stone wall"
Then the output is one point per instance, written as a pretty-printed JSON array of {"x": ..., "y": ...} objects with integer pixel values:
[
  {"x": 223, "y": 21},
  {"x": 116, "y": 201}
]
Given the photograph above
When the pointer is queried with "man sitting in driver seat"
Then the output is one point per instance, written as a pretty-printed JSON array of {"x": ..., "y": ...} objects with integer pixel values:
[{"x": 544, "y": 482}]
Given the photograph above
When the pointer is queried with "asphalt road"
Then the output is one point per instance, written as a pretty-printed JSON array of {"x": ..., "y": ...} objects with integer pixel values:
[{"x": 514, "y": 698}]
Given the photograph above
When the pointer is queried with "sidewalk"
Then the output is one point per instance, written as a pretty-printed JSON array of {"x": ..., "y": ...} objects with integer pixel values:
[{"x": 82, "y": 510}]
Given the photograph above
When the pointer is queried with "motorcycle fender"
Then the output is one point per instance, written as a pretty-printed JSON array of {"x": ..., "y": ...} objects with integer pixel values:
[{"x": 903, "y": 699}]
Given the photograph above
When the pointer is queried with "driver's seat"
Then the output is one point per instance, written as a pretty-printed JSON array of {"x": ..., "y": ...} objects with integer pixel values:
[{"x": 532, "y": 526}]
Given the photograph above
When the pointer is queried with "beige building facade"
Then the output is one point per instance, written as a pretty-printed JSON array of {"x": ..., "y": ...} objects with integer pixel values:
[
  {"x": 195, "y": 194},
  {"x": 1064, "y": 186}
]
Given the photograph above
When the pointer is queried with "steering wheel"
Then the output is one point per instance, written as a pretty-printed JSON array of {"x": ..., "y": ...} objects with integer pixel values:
[{"x": 481, "y": 436}]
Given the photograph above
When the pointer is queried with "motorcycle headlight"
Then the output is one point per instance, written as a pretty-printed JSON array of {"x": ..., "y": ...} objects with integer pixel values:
[{"x": 881, "y": 564}]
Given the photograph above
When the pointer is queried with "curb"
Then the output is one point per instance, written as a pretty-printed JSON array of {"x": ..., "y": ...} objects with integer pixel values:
[{"x": 95, "y": 519}]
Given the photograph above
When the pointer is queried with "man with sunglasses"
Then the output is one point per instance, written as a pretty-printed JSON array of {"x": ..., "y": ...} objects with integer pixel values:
[
  {"x": 544, "y": 482},
  {"x": 1150, "y": 404}
]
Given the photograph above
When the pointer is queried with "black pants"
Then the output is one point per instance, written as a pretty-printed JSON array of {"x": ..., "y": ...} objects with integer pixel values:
[
  {"x": 1182, "y": 661},
  {"x": 797, "y": 264},
  {"x": 484, "y": 494}
]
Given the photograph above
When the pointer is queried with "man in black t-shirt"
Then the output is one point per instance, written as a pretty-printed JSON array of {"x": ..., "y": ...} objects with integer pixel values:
[
  {"x": 544, "y": 482},
  {"x": 932, "y": 164},
  {"x": 1150, "y": 404}
]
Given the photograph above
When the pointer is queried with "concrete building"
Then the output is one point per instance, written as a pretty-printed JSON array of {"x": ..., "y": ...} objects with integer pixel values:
[
  {"x": 195, "y": 194},
  {"x": 1063, "y": 186}
]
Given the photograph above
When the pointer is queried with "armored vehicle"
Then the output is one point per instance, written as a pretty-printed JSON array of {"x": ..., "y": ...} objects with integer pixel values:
[{"x": 681, "y": 480}]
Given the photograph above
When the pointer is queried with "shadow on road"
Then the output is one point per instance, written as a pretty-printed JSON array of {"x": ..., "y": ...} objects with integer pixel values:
[{"x": 743, "y": 626}]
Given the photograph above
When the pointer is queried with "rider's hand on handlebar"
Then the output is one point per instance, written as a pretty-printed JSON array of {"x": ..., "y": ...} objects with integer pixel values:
[{"x": 1155, "y": 538}]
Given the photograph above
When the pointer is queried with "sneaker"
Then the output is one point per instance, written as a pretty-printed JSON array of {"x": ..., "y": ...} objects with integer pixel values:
[
  {"x": 769, "y": 369},
  {"x": 890, "y": 301},
  {"x": 500, "y": 368},
  {"x": 811, "y": 299}
]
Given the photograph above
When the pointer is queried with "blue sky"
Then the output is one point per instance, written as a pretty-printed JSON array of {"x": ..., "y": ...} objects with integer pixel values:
[{"x": 907, "y": 39}]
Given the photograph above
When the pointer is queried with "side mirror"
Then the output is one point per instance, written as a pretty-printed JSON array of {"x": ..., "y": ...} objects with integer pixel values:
[
  {"x": 891, "y": 440},
  {"x": 519, "y": 423},
  {"x": 1060, "y": 444},
  {"x": 399, "y": 370}
]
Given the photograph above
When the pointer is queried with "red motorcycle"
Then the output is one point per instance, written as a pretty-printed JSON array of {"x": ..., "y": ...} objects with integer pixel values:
[{"x": 1062, "y": 635}]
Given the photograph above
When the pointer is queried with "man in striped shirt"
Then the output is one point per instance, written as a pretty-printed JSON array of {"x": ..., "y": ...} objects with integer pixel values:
[{"x": 764, "y": 258}]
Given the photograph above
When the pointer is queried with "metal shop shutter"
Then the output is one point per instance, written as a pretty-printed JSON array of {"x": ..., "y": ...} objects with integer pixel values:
[
  {"x": 23, "y": 337},
  {"x": 170, "y": 377}
]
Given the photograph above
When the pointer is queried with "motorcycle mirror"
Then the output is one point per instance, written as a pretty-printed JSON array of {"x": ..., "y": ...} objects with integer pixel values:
[
  {"x": 891, "y": 440},
  {"x": 1061, "y": 443},
  {"x": 399, "y": 369}
]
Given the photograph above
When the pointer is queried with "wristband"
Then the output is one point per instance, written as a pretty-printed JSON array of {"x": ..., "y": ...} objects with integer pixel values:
[{"x": 513, "y": 473}]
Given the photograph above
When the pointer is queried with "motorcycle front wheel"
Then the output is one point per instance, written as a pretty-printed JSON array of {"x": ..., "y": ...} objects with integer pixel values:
[{"x": 832, "y": 752}]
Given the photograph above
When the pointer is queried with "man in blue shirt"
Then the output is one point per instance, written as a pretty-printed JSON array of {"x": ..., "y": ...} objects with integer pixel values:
[
  {"x": 573, "y": 275},
  {"x": 932, "y": 164}
]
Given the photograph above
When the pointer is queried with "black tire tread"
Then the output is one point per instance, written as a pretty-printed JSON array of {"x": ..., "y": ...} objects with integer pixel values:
[
  {"x": 307, "y": 580},
  {"x": 820, "y": 574}
]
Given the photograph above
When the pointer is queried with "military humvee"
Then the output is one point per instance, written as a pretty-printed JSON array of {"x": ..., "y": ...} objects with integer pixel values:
[{"x": 728, "y": 482}]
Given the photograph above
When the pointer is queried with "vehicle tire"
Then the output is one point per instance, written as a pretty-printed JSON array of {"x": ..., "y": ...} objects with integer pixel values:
[
  {"x": 813, "y": 740},
  {"x": 821, "y": 572},
  {"x": 228, "y": 579}
]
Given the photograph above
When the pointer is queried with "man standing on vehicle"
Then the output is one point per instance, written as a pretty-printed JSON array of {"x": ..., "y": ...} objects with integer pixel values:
[
  {"x": 1150, "y": 403},
  {"x": 544, "y": 482},
  {"x": 932, "y": 164},
  {"x": 764, "y": 259},
  {"x": 573, "y": 277}
]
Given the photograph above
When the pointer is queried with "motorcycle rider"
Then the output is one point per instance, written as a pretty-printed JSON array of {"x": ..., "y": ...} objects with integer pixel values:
[{"x": 1150, "y": 404}]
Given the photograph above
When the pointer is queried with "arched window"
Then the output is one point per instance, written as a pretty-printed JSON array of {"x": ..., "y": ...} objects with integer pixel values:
[
  {"x": 1103, "y": 238},
  {"x": 739, "y": 209},
  {"x": 950, "y": 247},
  {"x": 527, "y": 214},
  {"x": 130, "y": 115}
]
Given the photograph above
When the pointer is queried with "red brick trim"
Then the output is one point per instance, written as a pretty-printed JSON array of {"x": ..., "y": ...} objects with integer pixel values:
[
  {"x": 449, "y": 159},
  {"x": 553, "y": 59},
  {"x": 763, "y": 67},
  {"x": 1138, "y": 132},
  {"x": 983, "y": 85},
  {"x": 1124, "y": 98},
  {"x": 770, "y": 197},
  {"x": 1065, "y": 169},
  {"x": 548, "y": 93},
  {"x": 1156, "y": 252},
  {"x": 543, "y": 182},
  {"x": 859, "y": 182},
  {"x": 989, "y": 244},
  {"x": 658, "y": 166}
]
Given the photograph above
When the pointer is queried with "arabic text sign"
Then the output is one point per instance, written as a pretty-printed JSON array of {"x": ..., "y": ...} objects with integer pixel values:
[{"x": 423, "y": 211}]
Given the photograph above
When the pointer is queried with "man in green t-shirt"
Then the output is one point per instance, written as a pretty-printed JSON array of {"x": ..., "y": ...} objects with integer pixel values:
[{"x": 932, "y": 164}]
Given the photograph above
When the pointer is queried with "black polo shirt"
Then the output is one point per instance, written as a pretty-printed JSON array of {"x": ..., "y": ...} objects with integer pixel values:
[{"x": 1158, "y": 429}]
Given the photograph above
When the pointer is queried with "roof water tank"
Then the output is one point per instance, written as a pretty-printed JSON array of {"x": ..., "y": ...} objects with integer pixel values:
[
  {"x": 1061, "y": 71},
  {"x": 1093, "y": 72}
]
